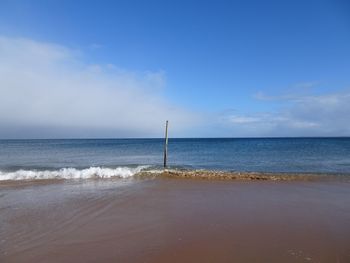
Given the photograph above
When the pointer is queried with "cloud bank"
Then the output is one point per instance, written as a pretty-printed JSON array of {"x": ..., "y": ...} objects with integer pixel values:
[
  {"x": 300, "y": 115},
  {"x": 47, "y": 90}
]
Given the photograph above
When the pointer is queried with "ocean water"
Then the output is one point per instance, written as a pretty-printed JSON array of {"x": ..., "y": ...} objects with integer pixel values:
[{"x": 85, "y": 158}]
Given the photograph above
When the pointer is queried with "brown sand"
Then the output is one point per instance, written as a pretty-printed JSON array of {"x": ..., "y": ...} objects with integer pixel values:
[{"x": 175, "y": 220}]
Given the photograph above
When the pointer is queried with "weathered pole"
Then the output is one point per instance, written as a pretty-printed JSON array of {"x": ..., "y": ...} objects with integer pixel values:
[{"x": 166, "y": 144}]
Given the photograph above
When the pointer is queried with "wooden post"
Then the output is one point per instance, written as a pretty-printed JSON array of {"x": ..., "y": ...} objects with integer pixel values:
[{"x": 166, "y": 144}]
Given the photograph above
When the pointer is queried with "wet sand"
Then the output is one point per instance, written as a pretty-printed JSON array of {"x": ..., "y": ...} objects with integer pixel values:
[{"x": 175, "y": 220}]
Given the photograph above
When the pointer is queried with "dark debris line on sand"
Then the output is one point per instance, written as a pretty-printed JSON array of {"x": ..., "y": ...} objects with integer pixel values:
[{"x": 249, "y": 176}]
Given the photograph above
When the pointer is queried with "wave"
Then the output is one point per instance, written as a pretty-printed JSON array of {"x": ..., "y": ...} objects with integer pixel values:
[
  {"x": 174, "y": 172},
  {"x": 73, "y": 173}
]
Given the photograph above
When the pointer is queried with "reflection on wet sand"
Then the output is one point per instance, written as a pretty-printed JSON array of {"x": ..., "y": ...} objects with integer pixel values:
[{"x": 167, "y": 220}]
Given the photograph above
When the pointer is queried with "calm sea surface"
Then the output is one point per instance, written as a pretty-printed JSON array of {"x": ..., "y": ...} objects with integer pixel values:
[{"x": 320, "y": 155}]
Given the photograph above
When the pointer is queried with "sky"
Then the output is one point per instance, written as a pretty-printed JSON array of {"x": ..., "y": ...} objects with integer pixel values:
[{"x": 115, "y": 69}]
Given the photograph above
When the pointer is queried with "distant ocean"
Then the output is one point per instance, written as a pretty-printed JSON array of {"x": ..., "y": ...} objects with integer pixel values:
[{"x": 88, "y": 158}]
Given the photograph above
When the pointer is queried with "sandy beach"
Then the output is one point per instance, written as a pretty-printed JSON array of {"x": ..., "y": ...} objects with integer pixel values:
[
  {"x": 175, "y": 220},
  {"x": 174, "y": 131}
]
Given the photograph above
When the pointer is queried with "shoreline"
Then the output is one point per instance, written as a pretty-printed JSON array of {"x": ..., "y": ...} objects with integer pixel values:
[
  {"x": 200, "y": 174},
  {"x": 248, "y": 176}
]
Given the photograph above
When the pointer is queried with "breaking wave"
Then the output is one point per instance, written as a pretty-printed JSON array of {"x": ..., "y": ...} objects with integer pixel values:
[{"x": 72, "y": 173}]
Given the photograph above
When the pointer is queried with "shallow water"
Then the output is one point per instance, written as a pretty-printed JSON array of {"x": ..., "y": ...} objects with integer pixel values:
[{"x": 124, "y": 157}]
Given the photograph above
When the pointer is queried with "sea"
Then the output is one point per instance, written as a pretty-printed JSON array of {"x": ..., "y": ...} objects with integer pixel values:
[{"x": 106, "y": 158}]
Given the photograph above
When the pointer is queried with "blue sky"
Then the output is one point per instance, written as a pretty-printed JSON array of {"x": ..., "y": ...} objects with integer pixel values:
[{"x": 214, "y": 68}]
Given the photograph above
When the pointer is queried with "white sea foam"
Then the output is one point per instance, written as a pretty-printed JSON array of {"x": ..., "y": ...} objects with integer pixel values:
[{"x": 72, "y": 173}]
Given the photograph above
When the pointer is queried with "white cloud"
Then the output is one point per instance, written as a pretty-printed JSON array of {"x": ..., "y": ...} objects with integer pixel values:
[
  {"x": 242, "y": 119},
  {"x": 47, "y": 90},
  {"x": 300, "y": 115}
]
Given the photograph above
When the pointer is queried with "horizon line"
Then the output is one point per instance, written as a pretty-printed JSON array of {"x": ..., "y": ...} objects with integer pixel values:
[{"x": 153, "y": 138}]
